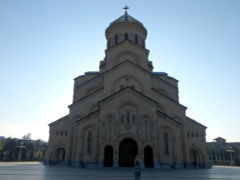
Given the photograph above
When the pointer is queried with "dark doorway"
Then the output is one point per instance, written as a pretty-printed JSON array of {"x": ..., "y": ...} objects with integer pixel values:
[
  {"x": 59, "y": 155},
  {"x": 195, "y": 158},
  {"x": 148, "y": 157},
  {"x": 127, "y": 152},
  {"x": 108, "y": 156}
]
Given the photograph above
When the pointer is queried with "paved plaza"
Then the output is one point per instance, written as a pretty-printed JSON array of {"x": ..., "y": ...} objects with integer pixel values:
[{"x": 36, "y": 171}]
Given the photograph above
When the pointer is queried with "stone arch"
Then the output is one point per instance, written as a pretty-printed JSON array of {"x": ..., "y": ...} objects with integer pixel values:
[
  {"x": 58, "y": 155},
  {"x": 127, "y": 55},
  {"x": 148, "y": 157},
  {"x": 145, "y": 117},
  {"x": 108, "y": 156},
  {"x": 127, "y": 103},
  {"x": 127, "y": 81},
  {"x": 128, "y": 151},
  {"x": 128, "y": 135},
  {"x": 196, "y": 157}
]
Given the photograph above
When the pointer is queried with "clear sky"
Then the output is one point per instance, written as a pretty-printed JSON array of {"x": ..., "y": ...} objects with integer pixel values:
[{"x": 44, "y": 44}]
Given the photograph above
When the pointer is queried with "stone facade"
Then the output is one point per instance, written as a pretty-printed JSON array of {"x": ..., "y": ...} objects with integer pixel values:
[{"x": 125, "y": 111}]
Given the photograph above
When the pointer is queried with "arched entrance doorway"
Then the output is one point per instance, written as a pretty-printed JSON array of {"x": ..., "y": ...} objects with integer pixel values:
[
  {"x": 128, "y": 151},
  {"x": 59, "y": 155},
  {"x": 108, "y": 156},
  {"x": 148, "y": 157},
  {"x": 195, "y": 158}
]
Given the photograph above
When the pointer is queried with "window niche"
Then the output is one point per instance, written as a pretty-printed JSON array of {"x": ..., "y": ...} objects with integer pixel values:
[
  {"x": 126, "y": 36},
  {"x": 116, "y": 39},
  {"x": 122, "y": 118},
  {"x": 89, "y": 142},
  {"x": 166, "y": 143},
  {"x": 133, "y": 118},
  {"x": 136, "y": 39},
  {"x": 127, "y": 115}
]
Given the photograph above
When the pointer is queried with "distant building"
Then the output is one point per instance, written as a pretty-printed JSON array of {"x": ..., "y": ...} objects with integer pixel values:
[
  {"x": 221, "y": 152},
  {"x": 2, "y": 138},
  {"x": 126, "y": 111}
]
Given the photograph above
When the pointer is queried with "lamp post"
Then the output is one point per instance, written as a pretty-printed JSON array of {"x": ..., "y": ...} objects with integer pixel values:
[
  {"x": 21, "y": 146},
  {"x": 230, "y": 150}
]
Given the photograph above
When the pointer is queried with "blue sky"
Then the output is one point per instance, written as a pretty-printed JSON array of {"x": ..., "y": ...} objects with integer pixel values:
[{"x": 44, "y": 44}]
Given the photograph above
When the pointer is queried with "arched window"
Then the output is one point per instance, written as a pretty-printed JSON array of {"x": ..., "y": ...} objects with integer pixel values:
[
  {"x": 116, "y": 39},
  {"x": 126, "y": 36},
  {"x": 133, "y": 118},
  {"x": 128, "y": 117},
  {"x": 89, "y": 142},
  {"x": 166, "y": 142},
  {"x": 108, "y": 156},
  {"x": 122, "y": 118},
  {"x": 136, "y": 39},
  {"x": 128, "y": 114}
]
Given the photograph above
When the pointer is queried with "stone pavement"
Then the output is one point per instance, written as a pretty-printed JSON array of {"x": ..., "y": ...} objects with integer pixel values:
[{"x": 36, "y": 171}]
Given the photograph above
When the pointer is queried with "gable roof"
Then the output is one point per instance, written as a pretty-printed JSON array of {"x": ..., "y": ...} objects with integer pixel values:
[
  {"x": 130, "y": 62},
  {"x": 197, "y": 123},
  {"x": 60, "y": 119},
  {"x": 131, "y": 89},
  {"x": 174, "y": 120},
  {"x": 88, "y": 115}
]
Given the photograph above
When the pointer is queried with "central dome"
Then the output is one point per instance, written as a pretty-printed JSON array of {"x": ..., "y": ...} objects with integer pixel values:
[
  {"x": 126, "y": 28},
  {"x": 126, "y": 18}
]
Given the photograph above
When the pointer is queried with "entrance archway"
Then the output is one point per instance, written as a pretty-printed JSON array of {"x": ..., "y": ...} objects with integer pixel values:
[
  {"x": 59, "y": 155},
  {"x": 108, "y": 156},
  {"x": 128, "y": 151},
  {"x": 195, "y": 158},
  {"x": 148, "y": 157}
]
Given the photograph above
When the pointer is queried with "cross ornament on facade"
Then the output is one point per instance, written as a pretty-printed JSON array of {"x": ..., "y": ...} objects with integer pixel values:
[{"x": 126, "y": 8}]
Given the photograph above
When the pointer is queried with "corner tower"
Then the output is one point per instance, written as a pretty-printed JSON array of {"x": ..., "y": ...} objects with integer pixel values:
[{"x": 126, "y": 38}]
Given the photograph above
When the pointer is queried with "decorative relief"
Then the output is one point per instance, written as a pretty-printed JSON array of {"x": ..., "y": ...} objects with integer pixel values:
[{"x": 128, "y": 127}]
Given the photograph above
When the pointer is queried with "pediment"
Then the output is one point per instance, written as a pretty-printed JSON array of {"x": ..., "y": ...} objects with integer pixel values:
[{"x": 128, "y": 94}]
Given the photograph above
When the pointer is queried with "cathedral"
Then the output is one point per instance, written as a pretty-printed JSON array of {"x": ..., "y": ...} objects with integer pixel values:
[{"x": 126, "y": 112}]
